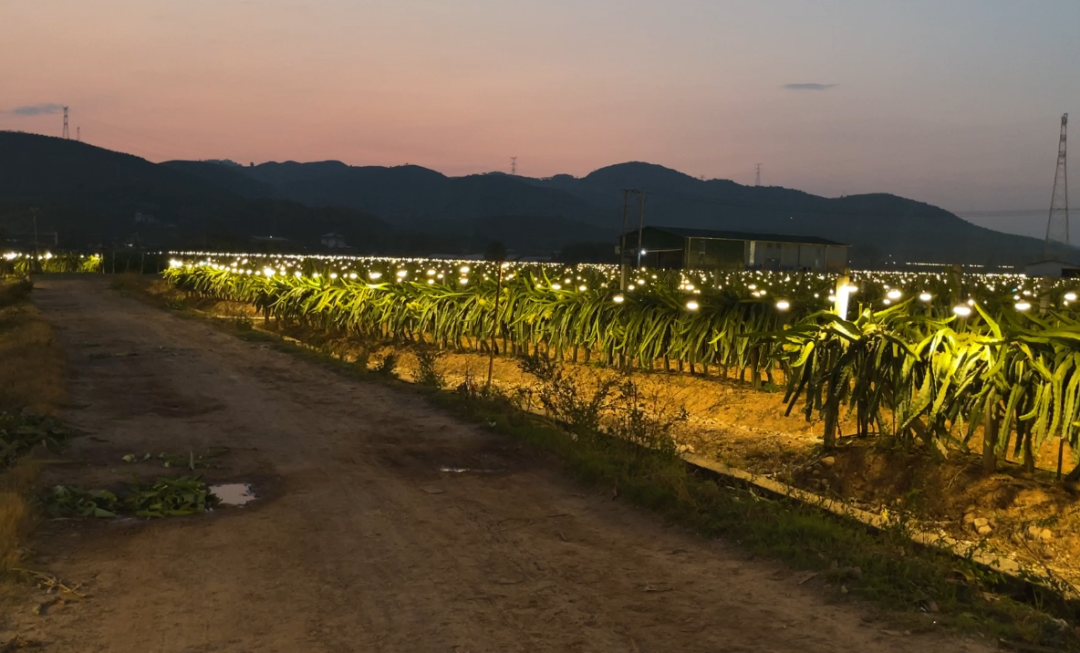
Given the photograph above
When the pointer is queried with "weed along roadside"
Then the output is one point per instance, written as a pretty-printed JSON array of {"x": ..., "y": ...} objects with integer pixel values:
[
  {"x": 45, "y": 475},
  {"x": 160, "y": 496},
  {"x": 32, "y": 380},
  {"x": 619, "y": 433},
  {"x": 886, "y": 566},
  {"x": 163, "y": 497}
]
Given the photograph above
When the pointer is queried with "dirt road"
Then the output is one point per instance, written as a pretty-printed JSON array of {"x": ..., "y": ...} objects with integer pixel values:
[{"x": 360, "y": 542}]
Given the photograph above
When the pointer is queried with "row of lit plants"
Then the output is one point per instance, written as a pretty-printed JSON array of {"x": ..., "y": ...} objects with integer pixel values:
[{"x": 924, "y": 358}]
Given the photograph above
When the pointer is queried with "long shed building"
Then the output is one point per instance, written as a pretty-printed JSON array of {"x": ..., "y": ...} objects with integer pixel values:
[{"x": 706, "y": 249}]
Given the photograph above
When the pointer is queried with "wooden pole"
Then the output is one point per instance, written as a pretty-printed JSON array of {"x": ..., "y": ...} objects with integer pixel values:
[
  {"x": 641, "y": 225},
  {"x": 1061, "y": 452},
  {"x": 990, "y": 427},
  {"x": 622, "y": 243},
  {"x": 494, "y": 326},
  {"x": 755, "y": 358}
]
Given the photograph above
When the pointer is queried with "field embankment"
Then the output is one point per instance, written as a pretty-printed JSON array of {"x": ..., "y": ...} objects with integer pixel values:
[{"x": 32, "y": 384}]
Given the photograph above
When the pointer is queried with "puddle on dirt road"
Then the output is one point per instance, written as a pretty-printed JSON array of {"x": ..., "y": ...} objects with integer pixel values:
[
  {"x": 233, "y": 494},
  {"x": 469, "y": 470}
]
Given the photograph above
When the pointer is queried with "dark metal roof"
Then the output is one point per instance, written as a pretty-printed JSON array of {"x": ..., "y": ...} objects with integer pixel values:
[
  {"x": 1054, "y": 260},
  {"x": 744, "y": 235}
]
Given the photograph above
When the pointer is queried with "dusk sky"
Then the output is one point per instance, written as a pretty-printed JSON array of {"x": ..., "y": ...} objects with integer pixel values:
[{"x": 957, "y": 103}]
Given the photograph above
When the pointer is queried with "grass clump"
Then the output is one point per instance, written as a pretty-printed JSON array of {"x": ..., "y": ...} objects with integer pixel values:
[
  {"x": 189, "y": 460},
  {"x": 21, "y": 433},
  {"x": 32, "y": 364},
  {"x": 429, "y": 373},
  {"x": 387, "y": 367},
  {"x": 564, "y": 398},
  {"x": 73, "y": 501},
  {"x": 14, "y": 291},
  {"x": 16, "y": 514},
  {"x": 32, "y": 388}
]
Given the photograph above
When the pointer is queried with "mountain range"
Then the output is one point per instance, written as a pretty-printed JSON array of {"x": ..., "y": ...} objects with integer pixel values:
[{"x": 85, "y": 194}]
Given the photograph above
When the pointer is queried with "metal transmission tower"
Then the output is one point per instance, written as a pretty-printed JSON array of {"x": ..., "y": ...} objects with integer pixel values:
[
  {"x": 1057, "y": 226},
  {"x": 513, "y": 165},
  {"x": 66, "y": 134},
  {"x": 757, "y": 175}
]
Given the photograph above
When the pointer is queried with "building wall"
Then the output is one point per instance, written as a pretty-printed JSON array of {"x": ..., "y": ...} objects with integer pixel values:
[
  {"x": 812, "y": 257},
  {"x": 795, "y": 256},
  {"x": 789, "y": 256},
  {"x": 672, "y": 259},
  {"x": 666, "y": 251},
  {"x": 836, "y": 258},
  {"x": 714, "y": 254},
  {"x": 766, "y": 255},
  {"x": 1054, "y": 269}
]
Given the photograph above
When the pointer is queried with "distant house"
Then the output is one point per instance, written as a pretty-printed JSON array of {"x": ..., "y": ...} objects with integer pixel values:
[
  {"x": 706, "y": 249},
  {"x": 1052, "y": 268},
  {"x": 333, "y": 241}
]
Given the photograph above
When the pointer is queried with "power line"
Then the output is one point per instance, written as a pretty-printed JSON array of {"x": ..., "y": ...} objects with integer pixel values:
[
  {"x": 513, "y": 165},
  {"x": 757, "y": 175},
  {"x": 65, "y": 135}
]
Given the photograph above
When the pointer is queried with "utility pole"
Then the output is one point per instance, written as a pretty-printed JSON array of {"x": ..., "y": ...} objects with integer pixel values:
[
  {"x": 641, "y": 225},
  {"x": 65, "y": 135},
  {"x": 622, "y": 243},
  {"x": 1057, "y": 225},
  {"x": 37, "y": 256},
  {"x": 78, "y": 134},
  {"x": 623, "y": 262},
  {"x": 513, "y": 165},
  {"x": 757, "y": 175}
]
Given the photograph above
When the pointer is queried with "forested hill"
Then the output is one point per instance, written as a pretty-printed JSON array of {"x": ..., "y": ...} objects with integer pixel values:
[
  {"x": 880, "y": 226},
  {"x": 404, "y": 193},
  {"x": 86, "y": 193}
]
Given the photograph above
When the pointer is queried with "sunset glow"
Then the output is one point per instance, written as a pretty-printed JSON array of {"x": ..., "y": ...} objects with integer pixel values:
[{"x": 919, "y": 99}]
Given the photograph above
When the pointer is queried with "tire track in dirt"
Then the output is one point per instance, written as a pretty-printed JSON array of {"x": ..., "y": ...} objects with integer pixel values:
[{"x": 360, "y": 543}]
